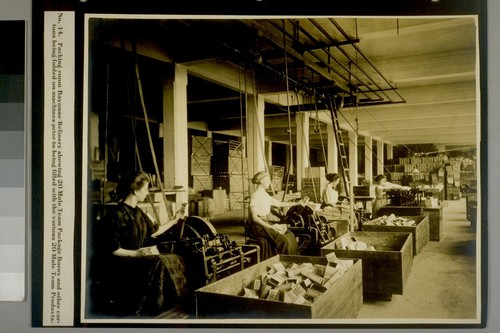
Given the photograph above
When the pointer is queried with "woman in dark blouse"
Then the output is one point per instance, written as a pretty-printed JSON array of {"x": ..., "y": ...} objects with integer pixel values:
[{"x": 141, "y": 280}]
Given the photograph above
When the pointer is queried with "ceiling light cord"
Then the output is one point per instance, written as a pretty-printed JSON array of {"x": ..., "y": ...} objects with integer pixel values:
[
  {"x": 290, "y": 144},
  {"x": 323, "y": 149}
]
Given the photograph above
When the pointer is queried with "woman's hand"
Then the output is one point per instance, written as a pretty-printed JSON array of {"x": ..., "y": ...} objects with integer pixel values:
[
  {"x": 180, "y": 215},
  {"x": 142, "y": 252},
  {"x": 280, "y": 228},
  {"x": 147, "y": 251}
]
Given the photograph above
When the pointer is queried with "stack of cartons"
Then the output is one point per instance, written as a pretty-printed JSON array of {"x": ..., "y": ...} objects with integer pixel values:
[
  {"x": 452, "y": 188},
  {"x": 201, "y": 155},
  {"x": 427, "y": 166},
  {"x": 230, "y": 171}
]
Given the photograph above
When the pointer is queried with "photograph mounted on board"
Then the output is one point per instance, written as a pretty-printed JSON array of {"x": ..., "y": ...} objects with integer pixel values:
[{"x": 242, "y": 170}]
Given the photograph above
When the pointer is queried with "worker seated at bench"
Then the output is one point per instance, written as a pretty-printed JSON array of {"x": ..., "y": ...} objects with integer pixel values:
[
  {"x": 264, "y": 225},
  {"x": 330, "y": 196},
  {"x": 134, "y": 278}
]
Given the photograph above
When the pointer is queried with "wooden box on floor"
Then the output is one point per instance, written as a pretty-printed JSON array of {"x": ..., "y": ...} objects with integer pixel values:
[
  {"x": 401, "y": 210},
  {"x": 420, "y": 231},
  {"x": 386, "y": 270},
  {"x": 341, "y": 226},
  {"x": 435, "y": 215},
  {"x": 222, "y": 299}
]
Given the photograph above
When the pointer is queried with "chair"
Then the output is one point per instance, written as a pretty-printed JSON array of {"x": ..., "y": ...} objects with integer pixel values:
[{"x": 265, "y": 249}]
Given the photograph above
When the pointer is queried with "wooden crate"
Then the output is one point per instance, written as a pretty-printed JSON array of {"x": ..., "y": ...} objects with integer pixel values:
[
  {"x": 228, "y": 148},
  {"x": 201, "y": 146},
  {"x": 401, "y": 210},
  {"x": 236, "y": 200},
  {"x": 220, "y": 201},
  {"x": 201, "y": 165},
  {"x": 340, "y": 226},
  {"x": 201, "y": 182},
  {"x": 277, "y": 184},
  {"x": 276, "y": 171},
  {"x": 470, "y": 200},
  {"x": 238, "y": 183},
  {"x": 435, "y": 222},
  {"x": 386, "y": 270},
  {"x": 473, "y": 217},
  {"x": 277, "y": 174},
  {"x": 420, "y": 231},
  {"x": 230, "y": 164},
  {"x": 221, "y": 299}
]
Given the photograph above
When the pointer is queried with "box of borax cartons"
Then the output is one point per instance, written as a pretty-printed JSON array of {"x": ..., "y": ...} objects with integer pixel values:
[
  {"x": 286, "y": 286},
  {"x": 387, "y": 258},
  {"x": 418, "y": 226}
]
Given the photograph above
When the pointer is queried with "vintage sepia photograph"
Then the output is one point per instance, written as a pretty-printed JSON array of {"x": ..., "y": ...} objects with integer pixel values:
[
  {"x": 264, "y": 168},
  {"x": 255, "y": 169}
]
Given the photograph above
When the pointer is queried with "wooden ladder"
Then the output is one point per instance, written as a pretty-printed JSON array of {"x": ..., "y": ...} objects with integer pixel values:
[
  {"x": 339, "y": 141},
  {"x": 344, "y": 161}
]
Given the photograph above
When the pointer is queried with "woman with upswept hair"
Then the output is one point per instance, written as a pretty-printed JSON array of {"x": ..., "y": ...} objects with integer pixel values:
[
  {"x": 330, "y": 195},
  {"x": 138, "y": 279},
  {"x": 266, "y": 225}
]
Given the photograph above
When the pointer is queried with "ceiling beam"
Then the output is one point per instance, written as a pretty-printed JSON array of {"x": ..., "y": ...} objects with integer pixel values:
[
  {"x": 401, "y": 29},
  {"x": 417, "y": 124},
  {"x": 221, "y": 72},
  {"x": 454, "y": 64}
]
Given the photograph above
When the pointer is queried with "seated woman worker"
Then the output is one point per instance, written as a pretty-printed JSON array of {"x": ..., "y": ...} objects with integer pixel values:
[
  {"x": 330, "y": 195},
  {"x": 264, "y": 224},
  {"x": 139, "y": 279}
]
